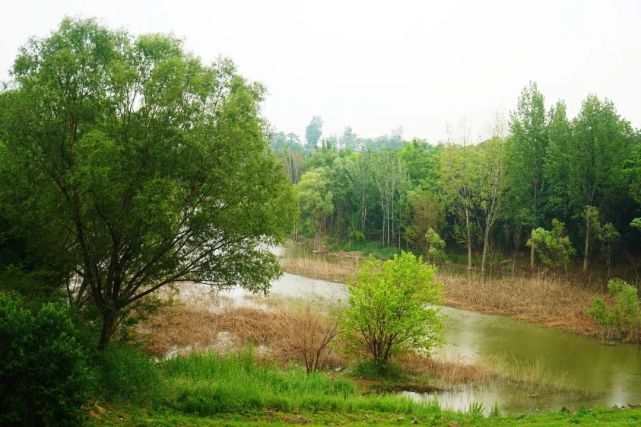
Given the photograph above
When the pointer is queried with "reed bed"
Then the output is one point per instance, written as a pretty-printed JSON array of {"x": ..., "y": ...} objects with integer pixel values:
[{"x": 550, "y": 301}]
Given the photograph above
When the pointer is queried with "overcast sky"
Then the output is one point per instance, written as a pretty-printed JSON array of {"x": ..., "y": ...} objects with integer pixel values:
[{"x": 377, "y": 65}]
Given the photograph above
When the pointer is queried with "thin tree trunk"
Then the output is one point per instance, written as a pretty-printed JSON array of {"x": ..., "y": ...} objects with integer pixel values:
[
  {"x": 486, "y": 238},
  {"x": 587, "y": 244},
  {"x": 469, "y": 240}
]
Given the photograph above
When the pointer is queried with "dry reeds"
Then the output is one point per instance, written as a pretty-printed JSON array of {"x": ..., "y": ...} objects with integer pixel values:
[
  {"x": 339, "y": 270},
  {"x": 284, "y": 334},
  {"x": 445, "y": 372},
  {"x": 548, "y": 301}
]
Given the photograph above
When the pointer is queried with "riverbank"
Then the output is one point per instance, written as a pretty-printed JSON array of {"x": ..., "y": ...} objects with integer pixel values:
[
  {"x": 549, "y": 302},
  {"x": 123, "y": 415}
]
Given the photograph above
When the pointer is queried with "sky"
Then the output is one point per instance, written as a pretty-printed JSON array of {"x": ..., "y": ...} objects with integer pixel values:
[{"x": 426, "y": 66}]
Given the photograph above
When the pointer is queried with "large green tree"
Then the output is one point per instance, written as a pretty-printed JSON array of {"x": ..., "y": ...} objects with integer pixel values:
[
  {"x": 601, "y": 145},
  {"x": 526, "y": 157},
  {"x": 151, "y": 167}
]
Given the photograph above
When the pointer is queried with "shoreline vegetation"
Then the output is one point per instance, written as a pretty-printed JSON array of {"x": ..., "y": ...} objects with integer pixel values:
[{"x": 547, "y": 301}]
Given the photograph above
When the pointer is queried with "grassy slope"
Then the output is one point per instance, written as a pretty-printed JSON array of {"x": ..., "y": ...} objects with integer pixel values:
[{"x": 235, "y": 390}]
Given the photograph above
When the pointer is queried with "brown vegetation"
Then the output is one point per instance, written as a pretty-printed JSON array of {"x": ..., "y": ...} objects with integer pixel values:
[
  {"x": 284, "y": 334},
  {"x": 548, "y": 301},
  {"x": 339, "y": 270},
  {"x": 545, "y": 301}
]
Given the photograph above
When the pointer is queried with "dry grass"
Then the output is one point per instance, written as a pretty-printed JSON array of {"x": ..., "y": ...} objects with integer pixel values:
[
  {"x": 551, "y": 302},
  {"x": 339, "y": 270},
  {"x": 283, "y": 334},
  {"x": 548, "y": 302},
  {"x": 445, "y": 372}
]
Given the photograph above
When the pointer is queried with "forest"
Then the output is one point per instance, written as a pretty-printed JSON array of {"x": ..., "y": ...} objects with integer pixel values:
[{"x": 544, "y": 190}]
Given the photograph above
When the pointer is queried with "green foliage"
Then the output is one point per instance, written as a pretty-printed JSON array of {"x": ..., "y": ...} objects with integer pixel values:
[
  {"x": 315, "y": 202},
  {"x": 553, "y": 246},
  {"x": 142, "y": 164},
  {"x": 435, "y": 246},
  {"x": 369, "y": 369},
  {"x": 127, "y": 375},
  {"x": 44, "y": 374},
  {"x": 622, "y": 317},
  {"x": 388, "y": 313}
]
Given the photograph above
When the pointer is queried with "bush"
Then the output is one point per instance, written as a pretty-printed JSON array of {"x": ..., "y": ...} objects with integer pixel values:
[
  {"x": 388, "y": 311},
  {"x": 552, "y": 246},
  {"x": 127, "y": 375},
  {"x": 44, "y": 375},
  {"x": 621, "y": 318}
]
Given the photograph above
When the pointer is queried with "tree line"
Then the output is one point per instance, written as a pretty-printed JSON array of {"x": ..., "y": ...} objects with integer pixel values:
[{"x": 554, "y": 187}]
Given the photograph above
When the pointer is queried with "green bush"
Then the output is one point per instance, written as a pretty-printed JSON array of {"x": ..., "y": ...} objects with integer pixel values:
[
  {"x": 622, "y": 317},
  {"x": 44, "y": 375},
  {"x": 127, "y": 375},
  {"x": 388, "y": 309}
]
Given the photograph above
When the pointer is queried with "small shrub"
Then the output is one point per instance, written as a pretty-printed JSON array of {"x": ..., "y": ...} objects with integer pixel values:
[
  {"x": 552, "y": 246},
  {"x": 388, "y": 311},
  {"x": 435, "y": 246},
  {"x": 306, "y": 335},
  {"x": 44, "y": 375},
  {"x": 621, "y": 318}
]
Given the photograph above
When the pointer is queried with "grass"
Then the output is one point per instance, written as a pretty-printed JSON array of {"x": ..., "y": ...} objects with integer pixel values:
[{"x": 236, "y": 389}]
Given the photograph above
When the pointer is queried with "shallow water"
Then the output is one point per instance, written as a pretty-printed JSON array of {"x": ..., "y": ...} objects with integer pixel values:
[{"x": 600, "y": 374}]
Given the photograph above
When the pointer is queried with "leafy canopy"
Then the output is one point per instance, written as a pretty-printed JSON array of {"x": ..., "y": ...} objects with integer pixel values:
[{"x": 147, "y": 166}]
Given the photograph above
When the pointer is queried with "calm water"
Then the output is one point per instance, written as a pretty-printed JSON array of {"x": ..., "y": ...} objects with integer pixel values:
[{"x": 607, "y": 374}]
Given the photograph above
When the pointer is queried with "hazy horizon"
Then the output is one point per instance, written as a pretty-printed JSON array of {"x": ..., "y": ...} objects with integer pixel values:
[{"x": 376, "y": 66}]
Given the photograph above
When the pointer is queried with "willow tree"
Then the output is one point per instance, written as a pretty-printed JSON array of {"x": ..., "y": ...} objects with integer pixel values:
[{"x": 151, "y": 167}]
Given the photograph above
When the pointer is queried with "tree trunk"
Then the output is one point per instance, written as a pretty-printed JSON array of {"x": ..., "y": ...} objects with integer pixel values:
[
  {"x": 469, "y": 240},
  {"x": 486, "y": 239},
  {"x": 108, "y": 327},
  {"x": 587, "y": 244},
  {"x": 532, "y": 252}
]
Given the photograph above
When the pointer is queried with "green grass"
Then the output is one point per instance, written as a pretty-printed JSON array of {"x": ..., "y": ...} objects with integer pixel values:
[
  {"x": 209, "y": 384},
  {"x": 235, "y": 390}
]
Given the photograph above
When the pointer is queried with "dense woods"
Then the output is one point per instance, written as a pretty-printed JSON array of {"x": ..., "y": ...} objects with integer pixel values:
[{"x": 576, "y": 177}]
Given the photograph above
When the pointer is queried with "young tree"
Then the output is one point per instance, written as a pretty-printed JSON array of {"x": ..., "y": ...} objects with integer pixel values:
[
  {"x": 526, "y": 157},
  {"x": 458, "y": 196},
  {"x": 435, "y": 246},
  {"x": 426, "y": 214},
  {"x": 489, "y": 185},
  {"x": 315, "y": 202},
  {"x": 388, "y": 312},
  {"x": 151, "y": 167},
  {"x": 313, "y": 132},
  {"x": 601, "y": 145},
  {"x": 553, "y": 247}
]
